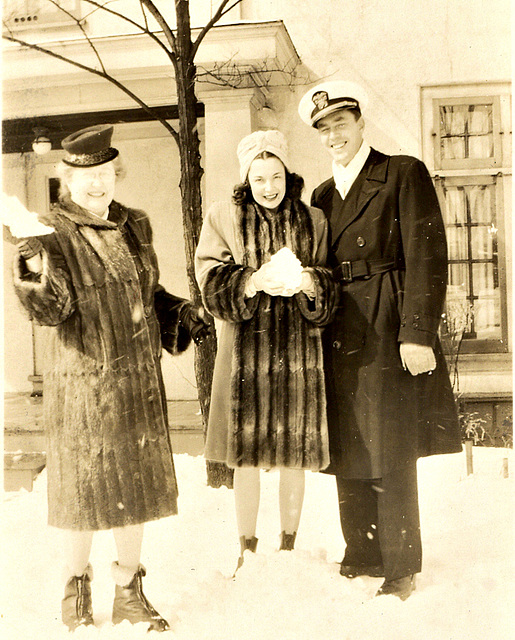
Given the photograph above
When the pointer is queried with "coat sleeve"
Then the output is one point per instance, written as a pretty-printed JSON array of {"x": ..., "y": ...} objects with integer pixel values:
[
  {"x": 221, "y": 280},
  {"x": 425, "y": 254},
  {"x": 48, "y": 297},
  {"x": 175, "y": 338},
  {"x": 321, "y": 309}
]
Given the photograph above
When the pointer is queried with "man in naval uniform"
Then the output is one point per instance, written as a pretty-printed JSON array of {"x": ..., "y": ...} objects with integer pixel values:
[{"x": 388, "y": 390}]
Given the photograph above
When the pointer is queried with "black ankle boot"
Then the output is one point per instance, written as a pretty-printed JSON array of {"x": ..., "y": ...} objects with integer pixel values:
[
  {"x": 76, "y": 608},
  {"x": 131, "y": 604},
  {"x": 401, "y": 587},
  {"x": 246, "y": 544},
  {"x": 287, "y": 541}
]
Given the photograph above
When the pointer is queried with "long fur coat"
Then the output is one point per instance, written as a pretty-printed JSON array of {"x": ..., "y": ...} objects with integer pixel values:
[
  {"x": 268, "y": 404},
  {"x": 109, "y": 458}
]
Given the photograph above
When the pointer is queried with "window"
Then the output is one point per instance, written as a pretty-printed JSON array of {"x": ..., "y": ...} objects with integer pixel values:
[
  {"x": 466, "y": 148},
  {"x": 477, "y": 286},
  {"x": 467, "y": 133}
]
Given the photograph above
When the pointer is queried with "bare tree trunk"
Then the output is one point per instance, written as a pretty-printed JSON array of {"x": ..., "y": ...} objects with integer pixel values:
[{"x": 191, "y": 174}]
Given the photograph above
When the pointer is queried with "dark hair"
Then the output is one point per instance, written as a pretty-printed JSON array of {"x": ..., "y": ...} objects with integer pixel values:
[
  {"x": 355, "y": 112},
  {"x": 242, "y": 193}
]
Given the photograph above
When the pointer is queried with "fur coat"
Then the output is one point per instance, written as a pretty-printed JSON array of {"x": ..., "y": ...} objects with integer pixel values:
[
  {"x": 268, "y": 404},
  {"x": 109, "y": 458}
]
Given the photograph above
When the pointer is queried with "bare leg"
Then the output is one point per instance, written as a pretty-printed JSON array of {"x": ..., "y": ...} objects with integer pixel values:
[
  {"x": 128, "y": 544},
  {"x": 77, "y": 548},
  {"x": 246, "y": 497},
  {"x": 291, "y": 497}
]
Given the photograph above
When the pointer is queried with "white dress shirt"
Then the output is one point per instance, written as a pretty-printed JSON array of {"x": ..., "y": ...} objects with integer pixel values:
[{"x": 344, "y": 176}]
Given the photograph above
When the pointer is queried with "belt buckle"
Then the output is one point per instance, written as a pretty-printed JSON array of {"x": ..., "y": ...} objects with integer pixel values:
[{"x": 346, "y": 271}]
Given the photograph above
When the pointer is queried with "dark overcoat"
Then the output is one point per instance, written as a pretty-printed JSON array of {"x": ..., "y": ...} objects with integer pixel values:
[
  {"x": 268, "y": 403},
  {"x": 380, "y": 416},
  {"x": 109, "y": 458}
]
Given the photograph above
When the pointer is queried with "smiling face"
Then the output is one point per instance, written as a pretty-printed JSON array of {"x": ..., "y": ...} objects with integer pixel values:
[
  {"x": 92, "y": 188},
  {"x": 267, "y": 179},
  {"x": 342, "y": 135}
]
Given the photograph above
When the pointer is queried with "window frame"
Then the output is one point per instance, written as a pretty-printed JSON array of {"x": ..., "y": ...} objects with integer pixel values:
[
  {"x": 499, "y": 93},
  {"x": 481, "y": 345},
  {"x": 468, "y": 163}
]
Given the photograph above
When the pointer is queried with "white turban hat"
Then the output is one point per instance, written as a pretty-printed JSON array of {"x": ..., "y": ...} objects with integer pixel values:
[{"x": 255, "y": 143}]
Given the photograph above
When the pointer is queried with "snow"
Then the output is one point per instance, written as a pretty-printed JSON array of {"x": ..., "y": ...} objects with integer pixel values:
[{"x": 465, "y": 591}]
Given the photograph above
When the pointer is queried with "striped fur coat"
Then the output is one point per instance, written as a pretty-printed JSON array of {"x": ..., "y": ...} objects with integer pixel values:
[
  {"x": 268, "y": 404},
  {"x": 109, "y": 459}
]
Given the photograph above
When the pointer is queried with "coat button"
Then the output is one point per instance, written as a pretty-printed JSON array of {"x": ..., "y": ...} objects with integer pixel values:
[
  {"x": 148, "y": 311},
  {"x": 360, "y": 241},
  {"x": 337, "y": 345},
  {"x": 416, "y": 316},
  {"x": 415, "y": 325}
]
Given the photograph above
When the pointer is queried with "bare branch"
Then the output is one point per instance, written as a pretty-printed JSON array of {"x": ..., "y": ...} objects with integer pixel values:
[
  {"x": 233, "y": 75},
  {"x": 154, "y": 11},
  {"x": 102, "y": 74},
  {"x": 221, "y": 11},
  {"x": 145, "y": 29},
  {"x": 144, "y": 15},
  {"x": 80, "y": 24}
]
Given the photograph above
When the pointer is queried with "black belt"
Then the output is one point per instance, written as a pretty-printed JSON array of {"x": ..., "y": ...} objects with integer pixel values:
[{"x": 349, "y": 271}]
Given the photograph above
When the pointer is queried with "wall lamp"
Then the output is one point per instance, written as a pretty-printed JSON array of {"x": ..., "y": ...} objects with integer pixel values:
[{"x": 41, "y": 144}]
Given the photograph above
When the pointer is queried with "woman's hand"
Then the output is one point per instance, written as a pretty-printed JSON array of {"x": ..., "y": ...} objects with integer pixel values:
[
  {"x": 194, "y": 319},
  {"x": 267, "y": 279},
  {"x": 30, "y": 250}
]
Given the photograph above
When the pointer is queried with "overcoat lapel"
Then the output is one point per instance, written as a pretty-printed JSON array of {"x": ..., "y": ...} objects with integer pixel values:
[{"x": 371, "y": 178}]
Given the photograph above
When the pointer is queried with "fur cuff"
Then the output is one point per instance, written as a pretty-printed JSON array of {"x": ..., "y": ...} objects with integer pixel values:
[
  {"x": 322, "y": 309},
  {"x": 123, "y": 575},
  {"x": 223, "y": 294}
]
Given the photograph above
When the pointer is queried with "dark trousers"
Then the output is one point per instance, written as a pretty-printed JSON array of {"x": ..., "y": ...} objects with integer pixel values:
[{"x": 380, "y": 522}]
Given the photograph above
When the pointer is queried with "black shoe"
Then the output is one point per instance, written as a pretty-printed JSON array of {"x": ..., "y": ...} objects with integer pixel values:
[
  {"x": 76, "y": 607},
  {"x": 287, "y": 541},
  {"x": 131, "y": 604},
  {"x": 246, "y": 544},
  {"x": 351, "y": 571},
  {"x": 401, "y": 587}
]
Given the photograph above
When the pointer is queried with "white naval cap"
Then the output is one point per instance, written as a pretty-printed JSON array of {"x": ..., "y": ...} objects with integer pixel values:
[{"x": 328, "y": 97}]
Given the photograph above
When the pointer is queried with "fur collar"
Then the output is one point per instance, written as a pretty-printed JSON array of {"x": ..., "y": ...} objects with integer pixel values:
[{"x": 117, "y": 215}]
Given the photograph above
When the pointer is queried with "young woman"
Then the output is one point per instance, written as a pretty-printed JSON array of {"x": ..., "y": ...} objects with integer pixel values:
[
  {"x": 259, "y": 265},
  {"x": 109, "y": 458}
]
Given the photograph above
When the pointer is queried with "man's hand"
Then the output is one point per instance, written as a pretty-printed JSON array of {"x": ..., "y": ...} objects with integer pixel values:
[{"x": 417, "y": 358}]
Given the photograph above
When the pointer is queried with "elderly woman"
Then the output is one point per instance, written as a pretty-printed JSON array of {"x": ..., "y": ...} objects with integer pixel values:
[
  {"x": 259, "y": 264},
  {"x": 109, "y": 458}
]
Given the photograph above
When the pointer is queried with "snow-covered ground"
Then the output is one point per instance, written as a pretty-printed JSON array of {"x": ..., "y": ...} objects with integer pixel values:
[{"x": 465, "y": 591}]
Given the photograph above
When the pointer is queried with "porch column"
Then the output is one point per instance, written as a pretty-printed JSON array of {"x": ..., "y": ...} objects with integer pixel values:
[{"x": 229, "y": 116}]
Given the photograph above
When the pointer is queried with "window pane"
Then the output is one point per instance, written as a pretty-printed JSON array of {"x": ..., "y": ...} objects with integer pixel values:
[
  {"x": 453, "y": 148},
  {"x": 483, "y": 243},
  {"x": 480, "y": 119},
  {"x": 466, "y": 131},
  {"x": 481, "y": 203},
  {"x": 487, "y": 312},
  {"x": 455, "y": 206},
  {"x": 481, "y": 146},
  {"x": 457, "y": 242},
  {"x": 458, "y": 276},
  {"x": 458, "y": 311}
]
